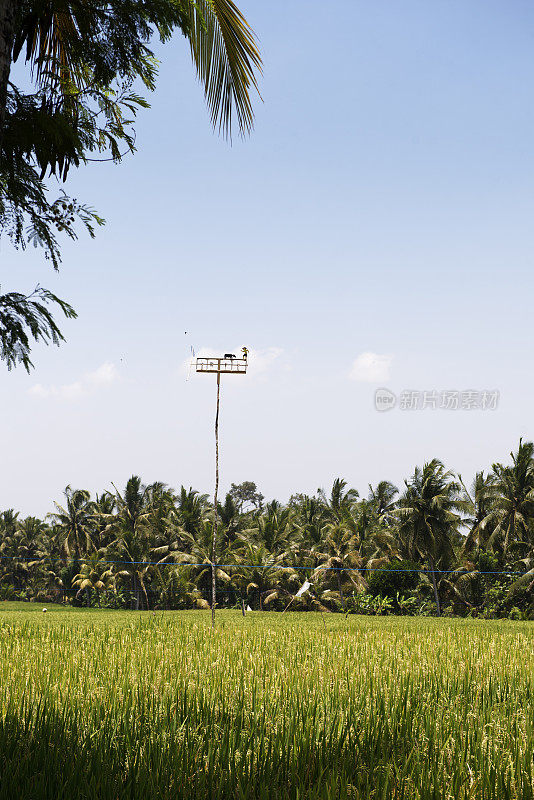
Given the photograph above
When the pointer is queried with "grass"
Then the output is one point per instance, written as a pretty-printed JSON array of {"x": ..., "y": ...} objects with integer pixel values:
[
  {"x": 120, "y": 705},
  {"x": 29, "y": 608}
]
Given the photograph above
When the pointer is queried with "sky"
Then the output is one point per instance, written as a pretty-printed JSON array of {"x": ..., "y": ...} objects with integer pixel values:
[{"x": 374, "y": 232}]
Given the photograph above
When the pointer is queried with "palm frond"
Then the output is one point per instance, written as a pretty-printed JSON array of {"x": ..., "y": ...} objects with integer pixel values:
[
  {"x": 226, "y": 56},
  {"x": 526, "y": 580}
]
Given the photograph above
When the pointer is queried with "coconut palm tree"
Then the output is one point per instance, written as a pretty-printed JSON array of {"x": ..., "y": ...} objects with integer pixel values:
[
  {"x": 102, "y": 508},
  {"x": 198, "y": 551},
  {"x": 464, "y": 581},
  {"x": 95, "y": 575},
  {"x": 229, "y": 517},
  {"x": 160, "y": 501},
  {"x": 341, "y": 499},
  {"x": 8, "y": 522},
  {"x": 512, "y": 503},
  {"x": 429, "y": 517},
  {"x": 340, "y": 559},
  {"x": 132, "y": 543},
  {"x": 309, "y": 521},
  {"x": 375, "y": 539},
  {"x": 23, "y": 547},
  {"x": 178, "y": 589},
  {"x": 273, "y": 528},
  {"x": 480, "y": 499},
  {"x": 52, "y": 579},
  {"x": 506, "y": 526},
  {"x": 132, "y": 509},
  {"x": 383, "y": 500},
  {"x": 259, "y": 572},
  {"x": 132, "y": 556},
  {"x": 74, "y": 523},
  {"x": 168, "y": 538},
  {"x": 193, "y": 508},
  {"x": 8, "y": 530}
]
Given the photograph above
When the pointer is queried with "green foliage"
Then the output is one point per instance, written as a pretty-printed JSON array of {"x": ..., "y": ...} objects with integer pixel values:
[
  {"x": 516, "y": 613},
  {"x": 244, "y": 494},
  {"x": 509, "y": 519},
  {"x": 152, "y": 547},
  {"x": 395, "y": 577},
  {"x": 367, "y": 603},
  {"x": 48, "y": 133},
  {"x": 24, "y": 319},
  {"x": 430, "y": 518},
  {"x": 488, "y": 562},
  {"x": 86, "y": 60}
]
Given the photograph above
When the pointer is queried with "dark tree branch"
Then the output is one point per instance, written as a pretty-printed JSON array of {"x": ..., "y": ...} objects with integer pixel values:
[{"x": 24, "y": 318}]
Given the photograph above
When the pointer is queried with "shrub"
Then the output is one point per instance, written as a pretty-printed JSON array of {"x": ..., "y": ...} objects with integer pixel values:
[
  {"x": 397, "y": 577},
  {"x": 488, "y": 562}
]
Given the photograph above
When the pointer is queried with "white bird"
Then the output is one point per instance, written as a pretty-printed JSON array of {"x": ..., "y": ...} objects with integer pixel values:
[
  {"x": 304, "y": 588},
  {"x": 44, "y": 609}
]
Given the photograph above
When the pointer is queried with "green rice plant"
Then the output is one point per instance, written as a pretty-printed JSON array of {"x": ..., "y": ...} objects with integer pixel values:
[{"x": 117, "y": 706}]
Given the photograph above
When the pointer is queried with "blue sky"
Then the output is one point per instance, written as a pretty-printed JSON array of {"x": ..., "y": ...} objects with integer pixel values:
[{"x": 382, "y": 205}]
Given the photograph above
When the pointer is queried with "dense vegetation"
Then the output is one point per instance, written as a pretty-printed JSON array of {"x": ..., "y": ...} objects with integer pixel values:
[
  {"x": 275, "y": 707},
  {"x": 436, "y": 546}
]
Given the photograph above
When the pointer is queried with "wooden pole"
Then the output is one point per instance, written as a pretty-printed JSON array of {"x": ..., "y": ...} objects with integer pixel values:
[{"x": 216, "y": 517}]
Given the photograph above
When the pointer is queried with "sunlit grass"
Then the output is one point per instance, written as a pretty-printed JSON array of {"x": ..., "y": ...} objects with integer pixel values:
[{"x": 122, "y": 705}]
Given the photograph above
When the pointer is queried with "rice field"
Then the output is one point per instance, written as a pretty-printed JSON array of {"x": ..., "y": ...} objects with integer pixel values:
[{"x": 117, "y": 705}]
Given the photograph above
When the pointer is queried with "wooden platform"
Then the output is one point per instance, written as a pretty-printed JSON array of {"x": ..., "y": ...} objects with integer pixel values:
[{"x": 224, "y": 366}]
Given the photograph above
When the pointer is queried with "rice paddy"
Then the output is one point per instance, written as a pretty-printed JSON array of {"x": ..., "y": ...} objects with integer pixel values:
[{"x": 118, "y": 705}]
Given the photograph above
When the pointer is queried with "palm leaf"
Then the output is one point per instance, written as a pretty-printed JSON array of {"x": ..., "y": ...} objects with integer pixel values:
[
  {"x": 270, "y": 597},
  {"x": 524, "y": 580},
  {"x": 225, "y": 54}
]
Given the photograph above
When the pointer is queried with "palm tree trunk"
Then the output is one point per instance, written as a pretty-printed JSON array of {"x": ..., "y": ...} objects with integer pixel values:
[
  {"x": 135, "y": 589},
  {"x": 87, "y": 596},
  {"x": 77, "y": 549},
  {"x": 143, "y": 587},
  {"x": 340, "y": 588},
  {"x": 435, "y": 585},
  {"x": 7, "y": 36}
]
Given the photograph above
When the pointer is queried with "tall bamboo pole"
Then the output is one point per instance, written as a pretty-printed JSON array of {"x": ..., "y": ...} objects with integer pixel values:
[{"x": 216, "y": 517}]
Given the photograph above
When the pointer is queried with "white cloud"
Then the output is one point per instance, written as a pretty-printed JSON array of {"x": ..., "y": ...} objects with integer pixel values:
[
  {"x": 260, "y": 361},
  {"x": 102, "y": 376},
  {"x": 88, "y": 383},
  {"x": 38, "y": 390},
  {"x": 71, "y": 391},
  {"x": 371, "y": 368}
]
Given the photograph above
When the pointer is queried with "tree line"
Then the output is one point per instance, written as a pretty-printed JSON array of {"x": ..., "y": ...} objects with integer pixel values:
[{"x": 436, "y": 546}]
